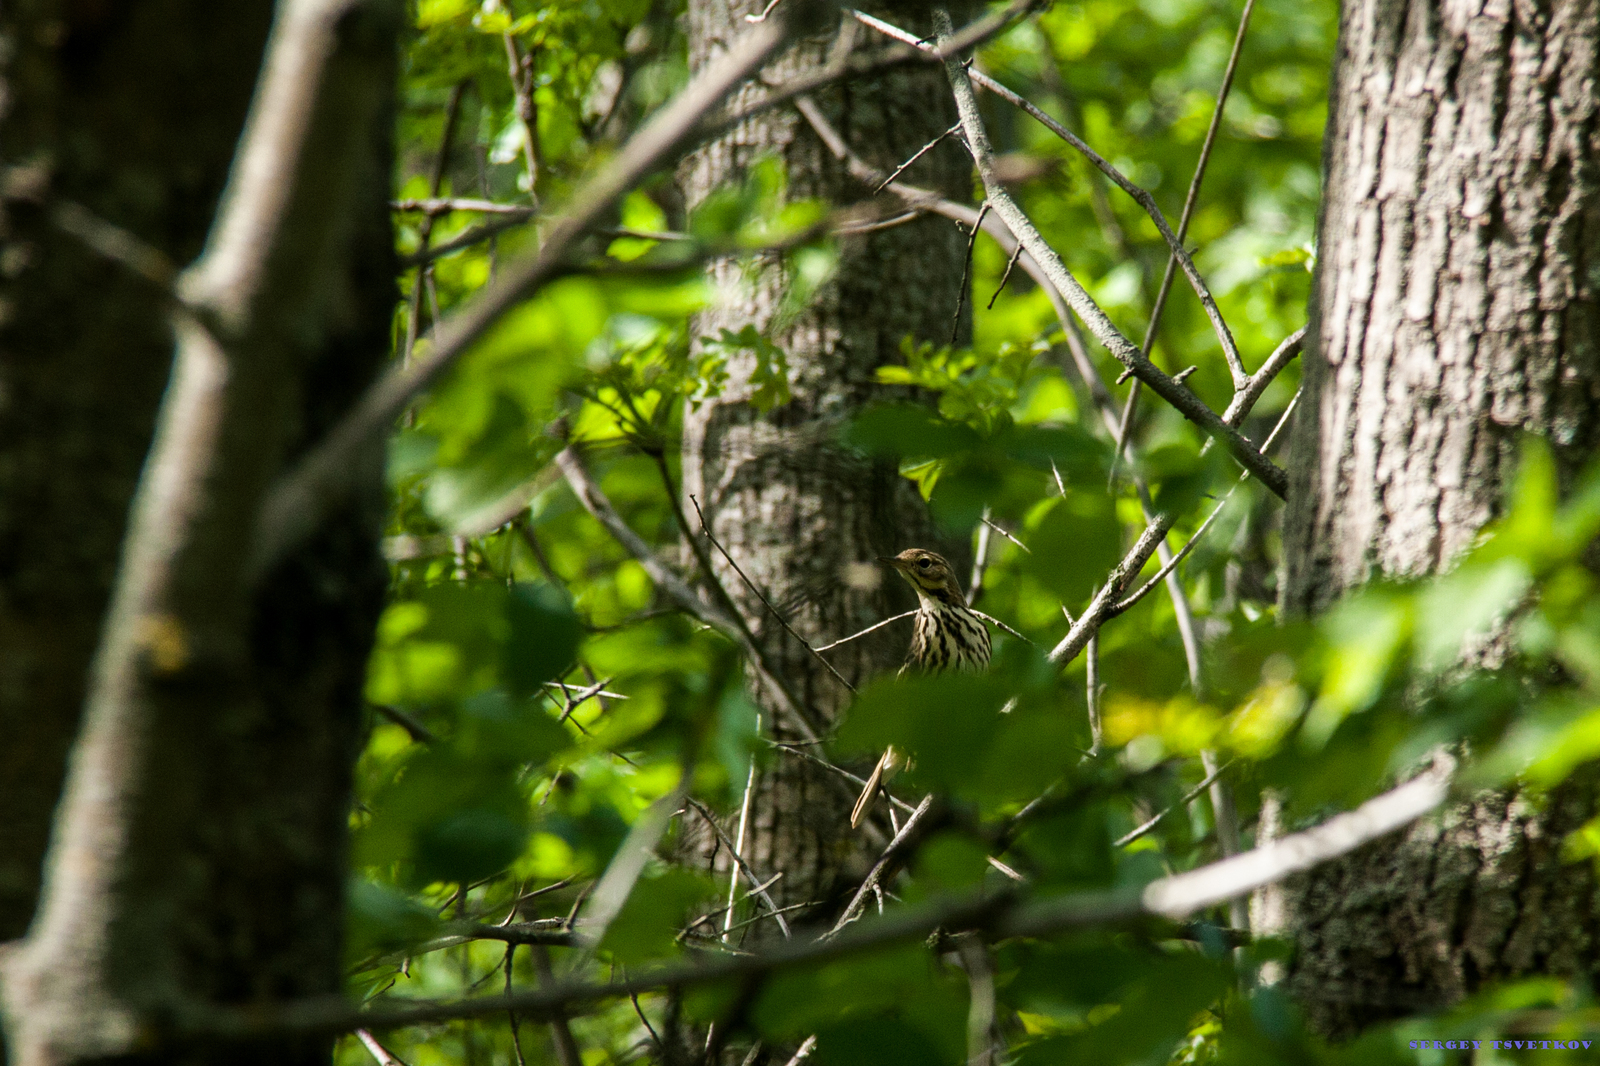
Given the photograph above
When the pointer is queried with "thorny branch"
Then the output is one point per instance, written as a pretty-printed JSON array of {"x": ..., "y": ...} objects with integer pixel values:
[
  {"x": 1179, "y": 396},
  {"x": 758, "y": 886},
  {"x": 1139, "y": 195},
  {"x": 996, "y": 916},
  {"x": 1235, "y": 367}
]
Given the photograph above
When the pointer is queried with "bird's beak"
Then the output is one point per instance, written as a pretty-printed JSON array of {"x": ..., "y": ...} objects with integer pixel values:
[{"x": 890, "y": 560}]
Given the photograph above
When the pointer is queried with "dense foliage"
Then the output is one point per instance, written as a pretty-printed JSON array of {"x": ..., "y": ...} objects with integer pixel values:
[{"x": 485, "y": 782}]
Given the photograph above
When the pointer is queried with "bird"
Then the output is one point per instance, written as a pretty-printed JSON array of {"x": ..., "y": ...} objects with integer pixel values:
[{"x": 946, "y": 635}]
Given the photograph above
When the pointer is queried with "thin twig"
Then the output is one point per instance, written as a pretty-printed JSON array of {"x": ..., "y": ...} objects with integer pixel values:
[
  {"x": 758, "y": 886},
  {"x": 859, "y": 782},
  {"x": 438, "y": 205},
  {"x": 869, "y": 629},
  {"x": 920, "y": 152},
  {"x": 994, "y": 526},
  {"x": 419, "y": 732},
  {"x": 1139, "y": 195},
  {"x": 1091, "y": 684},
  {"x": 511, "y": 1015},
  {"x": 1005, "y": 277},
  {"x": 734, "y": 902},
  {"x": 647, "y": 1026},
  {"x": 594, "y": 501},
  {"x": 1175, "y": 393},
  {"x": 425, "y": 234},
  {"x": 751, "y": 585},
  {"x": 980, "y": 560},
  {"x": 1000, "y": 914},
  {"x": 1188, "y": 798},
  {"x": 853, "y": 911},
  {"x": 744, "y": 825},
  {"x": 520, "y": 69},
  {"x": 384, "y": 1056},
  {"x": 803, "y": 1052},
  {"x": 1235, "y": 366},
  {"x": 992, "y": 620},
  {"x": 1178, "y": 557},
  {"x": 966, "y": 272}
]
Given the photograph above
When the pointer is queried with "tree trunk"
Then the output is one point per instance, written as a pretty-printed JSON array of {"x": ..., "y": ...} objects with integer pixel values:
[
  {"x": 1455, "y": 308},
  {"x": 85, "y": 343},
  {"x": 804, "y": 517},
  {"x": 198, "y": 856}
]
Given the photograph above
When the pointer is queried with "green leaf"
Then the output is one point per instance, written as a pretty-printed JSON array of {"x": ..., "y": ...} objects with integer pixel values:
[
  {"x": 543, "y": 636},
  {"x": 1075, "y": 542},
  {"x": 660, "y": 905},
  {"x": 944, "y": 722},
  {"x": 380, "y": 917}
]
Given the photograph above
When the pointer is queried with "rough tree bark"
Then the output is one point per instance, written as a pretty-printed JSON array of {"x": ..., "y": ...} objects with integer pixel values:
[
  {"x": 86, "y": 344},
  {"x": 1457, "y": 306},
  {"x": 804, "y": 517},
  {"x": 199, "y": 856}
]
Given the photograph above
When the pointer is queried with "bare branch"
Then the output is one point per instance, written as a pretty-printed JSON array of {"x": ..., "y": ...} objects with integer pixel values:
[
  {"x": 787, "y": 628},
  {"x": 1235, "y": 367},
  {"x": 379, "y": 1052},
  {"x": 435, "y": 205},
  {"x": 758, "y": 886},
  {"x": 890, "y": 854},
  {"x": 1282, "y": 356},
  {"x": 1178, "y": 395},
  {"x": 804, "y": 1051},
  {"x": 998, "y": 914},
  {"x": 1182, "y": 894},
  {"x": 992, "y": 620},
  {"x": 595, "y": 502},
  {"x": 920, "y": 152},
  {"x": 859, "y": 782},
  {"x": 1172, "y": 563},
  {"x": 854, "y": 66},
  {"x": 869, "y": 629},
  {"x": 299, "y": 500},
  {"x": 1188, "y": 798},
  {"x": 1139, "y": 195}
]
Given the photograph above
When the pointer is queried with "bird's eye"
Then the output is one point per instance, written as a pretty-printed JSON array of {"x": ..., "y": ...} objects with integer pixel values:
[{"x": 924, "y": 563}]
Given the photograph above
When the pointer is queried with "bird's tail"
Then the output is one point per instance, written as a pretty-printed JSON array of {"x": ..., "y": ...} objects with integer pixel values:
[{"x": 870, "y": 793}]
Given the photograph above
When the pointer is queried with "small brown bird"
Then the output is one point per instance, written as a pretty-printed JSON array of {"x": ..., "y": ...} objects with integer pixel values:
[{"x": 946, "y": 635}]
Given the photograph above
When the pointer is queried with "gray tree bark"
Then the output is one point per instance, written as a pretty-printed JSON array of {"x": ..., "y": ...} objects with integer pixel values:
[
  {"x": 1456, "y": 307},
  {"x": 804, "y": 517},
  {"x": 199, "y": 853},
  {"x": 86, "y": 344}
]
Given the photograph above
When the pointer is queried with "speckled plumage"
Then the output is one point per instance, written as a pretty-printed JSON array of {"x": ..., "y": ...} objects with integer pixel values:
[{"x": 945, "y": 635}]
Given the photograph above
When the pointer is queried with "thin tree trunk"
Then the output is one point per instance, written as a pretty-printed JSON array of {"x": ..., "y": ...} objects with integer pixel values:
[
  {"x": 86, "y": 343},
  {"x": 804, "y": 517},
  {"x": 199, "y": 852},
  {"x": 1455, "y": 308}
]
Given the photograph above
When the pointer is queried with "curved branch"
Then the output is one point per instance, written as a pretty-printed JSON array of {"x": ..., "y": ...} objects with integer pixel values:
[
  {"x": 1125, "y": 352},
  {"x": 996, "y": 915}
]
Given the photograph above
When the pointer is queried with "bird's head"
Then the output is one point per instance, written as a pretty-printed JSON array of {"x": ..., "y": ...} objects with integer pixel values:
[{"x": 929, "y": 573}]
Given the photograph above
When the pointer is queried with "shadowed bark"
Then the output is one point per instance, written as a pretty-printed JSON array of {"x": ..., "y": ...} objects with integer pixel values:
[
  {"x": 86, "y": 344},
  {"x": 199, "y": 853},
  {"x": 804, "y": 517},
  {"x": 1455, "y": 308}
]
